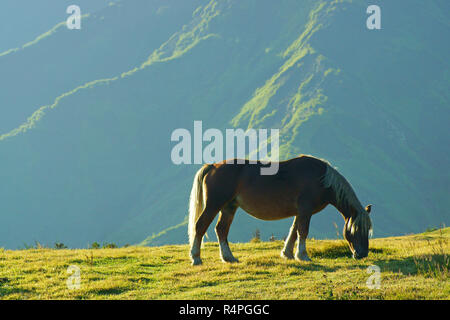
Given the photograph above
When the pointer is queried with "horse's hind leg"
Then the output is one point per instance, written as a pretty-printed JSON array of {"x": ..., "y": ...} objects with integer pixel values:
[
  {"x": 202, "y": 224},
  {"x": 222, "y": 229},
  {"x": 288, "y": 250},
  {"x": 219, "y": 189}
]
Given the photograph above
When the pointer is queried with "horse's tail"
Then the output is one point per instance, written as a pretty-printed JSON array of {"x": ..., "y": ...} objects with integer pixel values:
[{"x": 196, "y": 200}]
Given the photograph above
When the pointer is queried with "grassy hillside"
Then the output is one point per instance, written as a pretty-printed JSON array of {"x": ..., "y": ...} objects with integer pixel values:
[{"x": 412, "y": 267}]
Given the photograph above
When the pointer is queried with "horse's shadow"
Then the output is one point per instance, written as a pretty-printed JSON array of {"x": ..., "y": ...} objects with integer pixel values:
[
  {"x": 299, "y": 266},
  {"x": 312, "y": 266},
  {"x": 429, "y": 264},
  {"x": 338, "y": 251},
  {"x": 331, "y": 252}
]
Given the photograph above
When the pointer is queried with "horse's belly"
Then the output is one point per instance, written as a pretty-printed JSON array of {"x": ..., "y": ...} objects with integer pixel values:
[{"x": 267, "y": 208}]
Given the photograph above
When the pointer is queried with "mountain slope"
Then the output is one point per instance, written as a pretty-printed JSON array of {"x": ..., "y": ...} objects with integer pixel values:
[{"x": 85, "y": 137}]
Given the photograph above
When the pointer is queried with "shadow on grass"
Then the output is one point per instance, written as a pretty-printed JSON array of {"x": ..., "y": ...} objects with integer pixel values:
[
  {"x": 278, "y": 261},
  {"x": 92, "y": 260},
  {"x": 208, "y": 283},
  {"x": 333, "y": 251},
  {"x": 311, "y": 266},
  {"x": 108, "y": 292},
  {"x": 152, "y": 265},
  {"x": 6, "y": 289},
  {"x": 143, "y": 280},
  {"x": 433, "y": 265}
]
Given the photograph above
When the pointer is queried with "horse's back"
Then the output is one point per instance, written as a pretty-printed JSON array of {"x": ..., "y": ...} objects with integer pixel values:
[
  {"x": 268, "y": 197},
  {"x": 291, "y": 173}
]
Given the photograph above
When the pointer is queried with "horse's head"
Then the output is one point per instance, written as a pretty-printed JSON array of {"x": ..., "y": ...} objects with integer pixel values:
[{"x": 356, "y": 231}]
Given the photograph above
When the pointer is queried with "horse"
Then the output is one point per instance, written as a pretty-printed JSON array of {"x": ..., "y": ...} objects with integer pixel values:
[{"x": 302, "y": 187}]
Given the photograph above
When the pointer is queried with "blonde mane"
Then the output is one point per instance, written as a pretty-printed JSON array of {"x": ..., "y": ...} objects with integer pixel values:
[
  {"x": 346, "y": 198},
  {"x": 360, "y": 222}
]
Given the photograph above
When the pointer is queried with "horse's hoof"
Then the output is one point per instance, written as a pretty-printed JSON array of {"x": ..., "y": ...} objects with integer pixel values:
[
  {"x": 196, "y": 261},
  {"x": 285, "y": 255},
  {"x": 230, "y": 260},
  {"x": 303, "y": 258}
]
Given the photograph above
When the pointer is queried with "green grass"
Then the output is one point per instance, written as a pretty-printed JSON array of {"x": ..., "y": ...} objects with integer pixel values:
[{"x": 412, "y": 267}]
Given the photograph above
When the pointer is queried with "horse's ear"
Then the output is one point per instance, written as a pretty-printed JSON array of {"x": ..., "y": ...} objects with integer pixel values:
[{"x": 368, "y": 208}]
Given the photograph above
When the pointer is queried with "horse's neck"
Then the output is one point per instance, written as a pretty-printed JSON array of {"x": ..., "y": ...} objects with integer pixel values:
[
  {"x": 345, "y": 208},
  {"x": 342, "y": 196}
]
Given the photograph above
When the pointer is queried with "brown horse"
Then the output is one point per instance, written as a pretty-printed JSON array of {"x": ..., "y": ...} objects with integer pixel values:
[{"x": 302, "y": 187}]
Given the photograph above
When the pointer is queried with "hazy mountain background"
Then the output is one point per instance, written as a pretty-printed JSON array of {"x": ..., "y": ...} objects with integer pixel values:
[{"x": 86, "y": 115}]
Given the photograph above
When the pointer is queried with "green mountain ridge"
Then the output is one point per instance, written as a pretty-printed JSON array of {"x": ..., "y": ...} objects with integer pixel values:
[{"x": 97, "y": 167}]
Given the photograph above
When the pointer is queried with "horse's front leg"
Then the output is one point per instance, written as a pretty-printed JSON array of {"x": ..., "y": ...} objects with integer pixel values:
[
  {"x": 288, "y": 250},
  {"x": 302, "y": 230}
]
